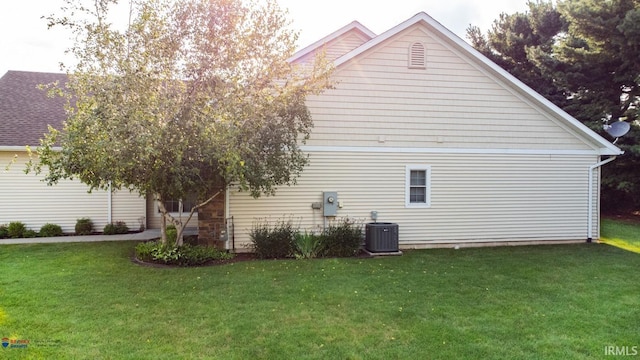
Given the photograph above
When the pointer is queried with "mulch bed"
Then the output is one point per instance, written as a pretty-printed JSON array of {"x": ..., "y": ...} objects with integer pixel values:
[{"x": 239, "y": 257}]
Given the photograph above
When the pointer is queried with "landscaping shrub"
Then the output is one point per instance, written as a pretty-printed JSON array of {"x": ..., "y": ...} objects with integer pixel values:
[
  {"x": 84, "y": 226},
  {"x": 4, "y": 231},
  {"x": 342, "y": 238},
  {"x": 119, "y": 227},
  {"x": 51, "y": 230},
  {"x": 29, "y": 234},
  {"x": 272, "y": 242},
  {"x": 144, "y": 250},
  {"x": 308, "y": 246},
  {"x": 16, "y": 229},
  {"x": 172, "y": 234},
  {"x": 186, "y": 255}
]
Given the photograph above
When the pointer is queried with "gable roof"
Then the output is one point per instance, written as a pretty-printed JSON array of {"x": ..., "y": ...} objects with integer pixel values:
[
  {"x": 603, "y": 145},
  {"x": 354, "y": 27},
  {"x": 25, "y": 110}
]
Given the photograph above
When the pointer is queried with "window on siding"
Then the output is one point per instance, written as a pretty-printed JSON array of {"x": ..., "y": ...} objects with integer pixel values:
[
  {"x": 174, "y": 205},
  {"x": 417, "y": 56},
  {"x": 418, "y": 186}
]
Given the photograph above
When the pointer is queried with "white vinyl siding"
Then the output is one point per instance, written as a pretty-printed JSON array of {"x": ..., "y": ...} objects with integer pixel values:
[
  {"x": 24, "y": 197},
  {"x": 379, "y": 101},
  {"x": 501, "y": 168},
  {"x": 417, "y": 56},
  {"x": 337, "y": 47},
  {"x": 474, "y": 197},
  {"x": 154, "y": 217}
]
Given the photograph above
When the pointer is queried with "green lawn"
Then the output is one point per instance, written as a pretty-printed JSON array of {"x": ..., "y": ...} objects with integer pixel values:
[
  {"x": 623, "y": 234},
  {"x": 89, "y": 301}
]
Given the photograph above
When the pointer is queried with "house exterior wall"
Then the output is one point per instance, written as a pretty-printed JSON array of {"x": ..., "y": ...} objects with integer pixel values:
[
  {"x": 338, "y": 47},
  {"x": 503, "y": 169},
  {"x": 154, "y": 218},
  {"x": 379, "y": 101},
  {"x": 474, "y": 197},
  {"x": 25, "y": 198}
]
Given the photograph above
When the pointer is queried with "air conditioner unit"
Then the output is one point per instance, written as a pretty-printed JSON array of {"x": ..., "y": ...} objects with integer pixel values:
[{"x": 381, "y": 237}]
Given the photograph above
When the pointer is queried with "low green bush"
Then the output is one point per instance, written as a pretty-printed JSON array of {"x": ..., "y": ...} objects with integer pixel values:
[
  {"x": 4, "y": 231},
  {"x": 51, "y": 230},
  {"x": 16, "y": 229},
  {"x": 342, "y": 238},
  {"x": 273, "y": 241},
  {"x": 186, "y": 255},
  {"x": 119, "y": 227},
  {"x": 29, "y": 234},
  {"x": 172, "y": 234},
  {"x": 84, "y": 226},
  {"x": 144, "y": 250}
]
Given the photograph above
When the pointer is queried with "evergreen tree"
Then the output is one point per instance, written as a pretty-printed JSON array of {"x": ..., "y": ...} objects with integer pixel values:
[{"x": 583, "y": 55}]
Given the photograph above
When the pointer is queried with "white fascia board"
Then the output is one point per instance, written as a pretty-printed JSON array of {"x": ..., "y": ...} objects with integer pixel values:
[
  {"x": 24, "y": 148},
  {"x": 334, "y": 35},
  {"x": 606, "y": 147},
  {"x": 412, "y": 150},
  {"x": 13, "y": 148}
]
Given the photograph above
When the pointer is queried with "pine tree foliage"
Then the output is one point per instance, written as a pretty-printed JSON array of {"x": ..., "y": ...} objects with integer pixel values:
[{"x": 583, "y": 55}]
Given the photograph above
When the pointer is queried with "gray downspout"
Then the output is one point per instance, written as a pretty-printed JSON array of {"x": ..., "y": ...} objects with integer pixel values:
[{"x": 591, "y": 200}]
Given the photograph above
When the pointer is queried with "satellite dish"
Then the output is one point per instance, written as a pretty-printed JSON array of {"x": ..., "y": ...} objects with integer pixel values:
[{"x": 618, "y": 129}]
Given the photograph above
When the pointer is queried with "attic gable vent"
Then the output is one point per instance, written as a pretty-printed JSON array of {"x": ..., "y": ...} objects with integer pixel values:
[{"x": 417, "y": 56}]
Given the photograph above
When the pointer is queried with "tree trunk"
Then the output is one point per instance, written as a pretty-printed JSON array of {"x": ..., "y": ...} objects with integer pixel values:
[{"x": 180, "y": 226}]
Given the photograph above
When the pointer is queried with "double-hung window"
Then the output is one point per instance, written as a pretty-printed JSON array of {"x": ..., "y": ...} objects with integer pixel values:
[
  {"x": 173, "y": 205},
  {"x": 418, "y": 186}
]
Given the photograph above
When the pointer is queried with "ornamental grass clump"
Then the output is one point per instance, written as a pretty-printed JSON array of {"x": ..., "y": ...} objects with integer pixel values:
[{"x": 308, "y": 245}]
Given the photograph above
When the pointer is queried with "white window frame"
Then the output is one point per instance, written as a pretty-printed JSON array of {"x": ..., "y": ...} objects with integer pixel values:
[
  {"x": 180, "y": 206},
  {"x": 407, "y": 190}
]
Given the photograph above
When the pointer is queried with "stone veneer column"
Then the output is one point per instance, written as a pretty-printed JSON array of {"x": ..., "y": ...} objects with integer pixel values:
[{"x": 211, "y": 220}]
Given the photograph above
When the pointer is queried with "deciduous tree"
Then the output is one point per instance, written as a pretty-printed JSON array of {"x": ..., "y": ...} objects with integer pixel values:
[{"x": 191, "y": 96}]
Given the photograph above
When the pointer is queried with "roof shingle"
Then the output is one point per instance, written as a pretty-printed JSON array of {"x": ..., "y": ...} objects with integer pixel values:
[{"x": 25, "y": 110}]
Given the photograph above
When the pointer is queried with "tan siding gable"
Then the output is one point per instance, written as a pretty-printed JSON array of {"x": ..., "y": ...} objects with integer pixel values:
[
  {"x": 338, "y": 47},
  {"x": 380, "y": 101}
]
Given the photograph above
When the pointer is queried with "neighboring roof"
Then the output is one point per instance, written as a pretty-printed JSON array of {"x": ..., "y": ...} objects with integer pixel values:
[
  {"x": 25, "y": 110},
  {"x": 605, "y": 147},
  {"x": 353, "y": 26}
]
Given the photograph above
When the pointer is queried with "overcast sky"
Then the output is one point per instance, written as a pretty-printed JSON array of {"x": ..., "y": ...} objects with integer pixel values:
[{"x": 27, "y": 44}]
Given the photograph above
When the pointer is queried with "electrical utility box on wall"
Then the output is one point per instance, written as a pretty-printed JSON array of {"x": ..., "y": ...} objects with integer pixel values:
[{"x": 330, "y": 203}]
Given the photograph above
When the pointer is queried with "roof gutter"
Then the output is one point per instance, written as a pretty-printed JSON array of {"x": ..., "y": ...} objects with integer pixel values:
[
  {"x": 23, "y": 148},
  {"x": 591, "y": 195}
]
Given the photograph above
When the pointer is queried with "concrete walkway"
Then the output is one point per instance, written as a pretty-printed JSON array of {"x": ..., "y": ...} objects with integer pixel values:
[{"x": 150, "y": 234}]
